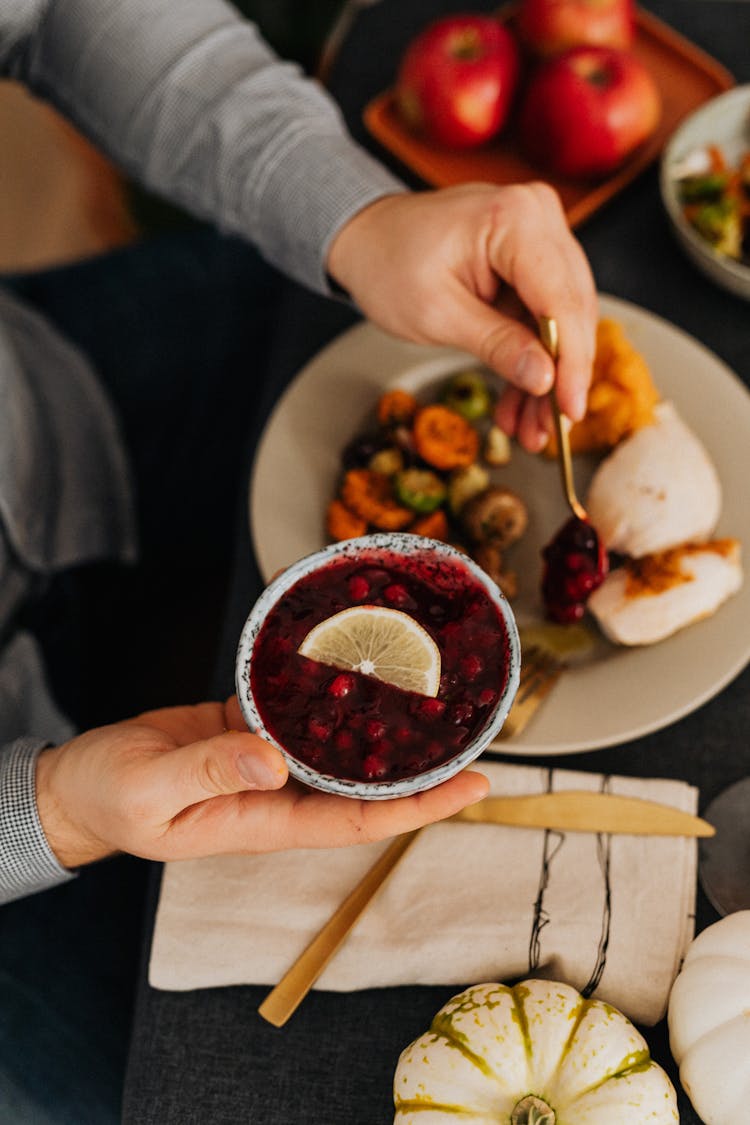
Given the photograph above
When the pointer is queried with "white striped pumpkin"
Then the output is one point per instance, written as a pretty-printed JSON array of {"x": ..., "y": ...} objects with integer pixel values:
[
  {"x": 534, "y": 1054},
  {"x": 709, "y": 1021}
]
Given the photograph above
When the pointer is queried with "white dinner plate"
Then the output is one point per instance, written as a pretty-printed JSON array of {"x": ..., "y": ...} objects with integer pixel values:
[{"x": 619, "y": 693}]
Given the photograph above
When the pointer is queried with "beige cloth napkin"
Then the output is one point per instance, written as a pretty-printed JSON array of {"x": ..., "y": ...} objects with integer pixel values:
[{"x": 468, "y": 903}]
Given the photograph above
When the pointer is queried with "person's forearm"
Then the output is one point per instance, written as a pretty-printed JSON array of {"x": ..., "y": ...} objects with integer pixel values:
[
  {"x": 27, "y": 863},
  {"x": 188, "y": 99}
]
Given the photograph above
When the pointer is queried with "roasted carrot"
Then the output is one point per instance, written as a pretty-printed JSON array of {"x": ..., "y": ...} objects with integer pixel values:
[
  {"x": 341, "y": 523},
  {"x": 396, "y": 408},
  {"x": 370, "y": 496},
  {"x": 444, "y": 439},
  {"x": 434, "y": 526}
]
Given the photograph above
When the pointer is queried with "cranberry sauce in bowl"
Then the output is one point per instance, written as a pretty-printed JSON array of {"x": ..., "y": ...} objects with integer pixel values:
[{"x": 340, "y": 726}]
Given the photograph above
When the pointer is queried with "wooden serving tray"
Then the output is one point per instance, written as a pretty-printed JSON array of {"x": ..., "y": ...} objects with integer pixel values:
[{"x": 686, "y": 77}]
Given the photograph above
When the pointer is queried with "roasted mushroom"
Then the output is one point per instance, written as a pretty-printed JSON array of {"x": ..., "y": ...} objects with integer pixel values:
[{"x": 496, "y": 515}]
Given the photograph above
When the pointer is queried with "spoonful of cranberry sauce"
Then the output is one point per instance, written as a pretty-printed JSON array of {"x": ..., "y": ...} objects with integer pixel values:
[{"x": 575, "y": 561}]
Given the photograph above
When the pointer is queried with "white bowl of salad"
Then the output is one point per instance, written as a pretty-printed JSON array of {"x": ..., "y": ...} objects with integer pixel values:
[{"x": 705, "y": 186}]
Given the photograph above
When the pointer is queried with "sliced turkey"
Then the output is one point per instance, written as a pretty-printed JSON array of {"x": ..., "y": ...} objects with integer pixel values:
[
  {"x": 657, "y": 489},
  {"x": 648, "y": 599}
]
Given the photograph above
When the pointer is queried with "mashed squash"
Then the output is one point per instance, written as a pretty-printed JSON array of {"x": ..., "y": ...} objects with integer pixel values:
[{"x": 622, "y": 395}]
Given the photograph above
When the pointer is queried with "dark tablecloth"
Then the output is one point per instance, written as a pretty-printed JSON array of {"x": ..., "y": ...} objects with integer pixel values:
[{"x": 207, "y": 1056}]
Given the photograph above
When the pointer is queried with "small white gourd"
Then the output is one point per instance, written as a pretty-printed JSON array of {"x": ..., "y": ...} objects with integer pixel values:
[
  {"x": 535, "y": 1054},
  {"x": 709, "y": 1021}
]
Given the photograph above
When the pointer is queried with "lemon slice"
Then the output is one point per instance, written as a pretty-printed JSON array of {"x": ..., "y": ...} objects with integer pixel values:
[{"x": 380, "y": 642}]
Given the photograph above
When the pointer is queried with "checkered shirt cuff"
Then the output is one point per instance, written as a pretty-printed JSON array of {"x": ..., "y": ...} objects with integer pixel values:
[{"x": 27, "y": 863}]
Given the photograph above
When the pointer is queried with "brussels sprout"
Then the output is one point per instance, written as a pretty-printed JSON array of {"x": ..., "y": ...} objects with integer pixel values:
[
  {"x": 419, "y": 489},
  {"x": 468, "y": 394}
]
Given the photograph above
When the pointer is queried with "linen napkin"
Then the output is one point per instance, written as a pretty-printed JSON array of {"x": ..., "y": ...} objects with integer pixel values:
[{"x": 611, "y": 915}]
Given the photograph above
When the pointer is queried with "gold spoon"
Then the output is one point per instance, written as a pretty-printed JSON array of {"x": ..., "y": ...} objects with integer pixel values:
[{"x": 549, "y": 337}]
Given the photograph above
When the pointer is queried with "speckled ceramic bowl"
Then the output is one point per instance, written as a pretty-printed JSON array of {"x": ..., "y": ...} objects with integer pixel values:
[
  {"x": 722, "y": 121},
  {"x": 390, "y": 543}
]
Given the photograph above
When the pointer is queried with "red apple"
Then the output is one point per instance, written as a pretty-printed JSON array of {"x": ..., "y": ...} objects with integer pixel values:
[
  {"x": 586, "y": 110},
  {"x": 549, "y": 27},
  {"x": 456, "y": 80}
]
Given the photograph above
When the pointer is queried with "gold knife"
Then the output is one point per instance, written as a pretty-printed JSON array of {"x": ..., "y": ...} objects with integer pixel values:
[
  {"x": 569, "y": 810},
  {"x": 575, "y": 810}
]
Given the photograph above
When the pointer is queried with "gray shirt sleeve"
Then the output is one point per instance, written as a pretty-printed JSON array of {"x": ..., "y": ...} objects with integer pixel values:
[
  {"x": 27, "y": 863},
  {"x": 189, "y": 99}
]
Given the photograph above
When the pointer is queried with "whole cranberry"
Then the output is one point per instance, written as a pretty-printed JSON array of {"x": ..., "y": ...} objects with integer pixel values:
[
  {"x": 319, "y": 729},
  {"x": 374, "y": 767},
  {"x": 341, "y": 686},
  {"x": 359, "y": 588},
  {"x": 471, "y": 666},
  {"x": 396, "y": 594},
  {"x": 431, "y": 708},
  {"x": 462, "y": 712},
  {"x": 343, "y": 740}
]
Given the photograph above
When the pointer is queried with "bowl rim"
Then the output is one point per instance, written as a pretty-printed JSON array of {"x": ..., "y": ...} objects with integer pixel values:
[
  {"x": 395, "y": 542},
  {"x": 738, "y": 271}
]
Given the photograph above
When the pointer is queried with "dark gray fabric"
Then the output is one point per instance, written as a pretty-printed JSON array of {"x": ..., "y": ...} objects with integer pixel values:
[
  {"x": 65, "y": 500},
  {"x": 27, "y": 708},
  {"x": 65, "y": 496},
  {"x": 208, "y": 1056}
]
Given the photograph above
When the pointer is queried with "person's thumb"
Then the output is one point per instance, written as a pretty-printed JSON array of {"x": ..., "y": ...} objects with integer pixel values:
[
  {"x": 232, "y": 762},
  {"x": 502, "y": 342}
]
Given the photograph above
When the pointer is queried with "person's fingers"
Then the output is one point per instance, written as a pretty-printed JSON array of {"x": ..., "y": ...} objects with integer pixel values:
[
  {"x": 229, "y": 763},
  {"x": 184, "y": 724},
  {"x": 549, "y": 276},
  {"x": 546, "y": 266},
  {"x": 574, "y": 366},
  {"x": 544, "y": 417},
  {"x": 506, "y": 345},
  {"x": 460, "y": 253},
  {"x": 524, "y": 417},
  {"x": 322, "y": 820},
  {"x": 508, "y": 410},
  {"x": 298, "y": 817},
  {"x": 531, "y": 433}
]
